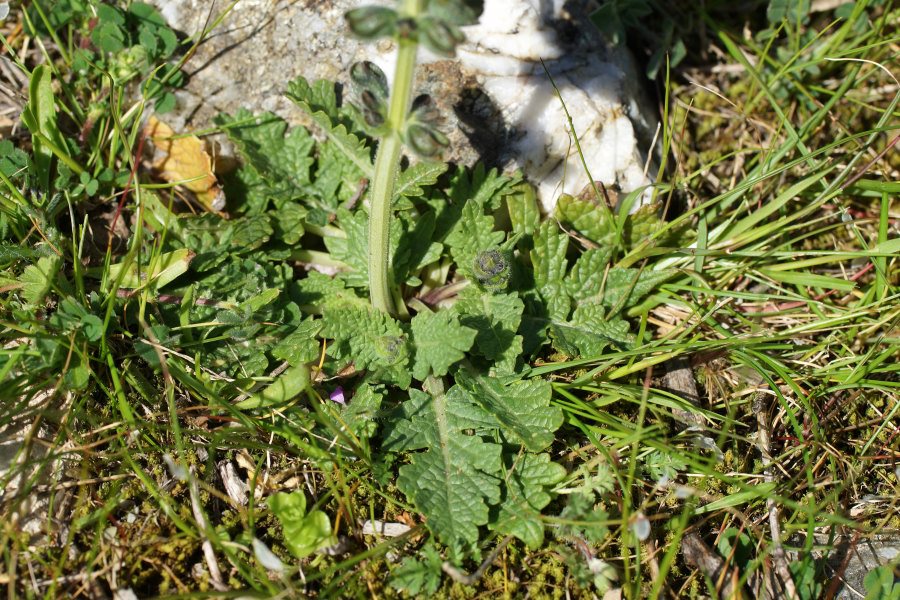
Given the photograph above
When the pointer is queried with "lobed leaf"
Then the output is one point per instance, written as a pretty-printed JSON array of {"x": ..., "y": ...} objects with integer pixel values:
[
  {"x": 522, "y": 409},
  {"x": 525, "y": 495},
  {"x": 626, "y": 287},
  {"x": 589, "y": 332},
  {"x": 440, "y": 341},
  {"x": 496, "y": 318},
  {"x": 456, "y": 479}
]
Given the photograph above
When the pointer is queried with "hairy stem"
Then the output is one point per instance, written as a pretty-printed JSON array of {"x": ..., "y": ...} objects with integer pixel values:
[{"x": 387, "y": 164}]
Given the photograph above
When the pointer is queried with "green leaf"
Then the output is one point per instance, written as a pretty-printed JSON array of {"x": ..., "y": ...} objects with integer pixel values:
[
  {"x": 288, "y": 222},
  {"x": 794, "y": 11},
  {"x": 584, "y": 520},
  {"x": 37, "y": 279},
  {"x": 320, "y": 102},
  {"x": 370, "y": 339},
  {"x": 304, "y": 533},
  {"x": 456, "y": 479},
  {"x": 413, "y": 181},
  {"x": 522, "y": 409},
  {"x": 39, "y": 116},
  {"x": 411, "y": 245},
  {"x": 588, "y": 219},
  {"x": 440, "y": 341},
  {"x": 626, "y": 287},
  {"x": 585, "y": 280},
  {"x": 352, "y": 250},
  {"x": 109, "y": 37},
  {"x": 549, "y": 261},
  {"x": 317, "y": 291},
  {"x": 589, "y": 332},
  {"x": 301, "y": 345},
  {"x": 641, "y": 224},
  {"x": 360, "y": 413},
  {"x": 496, "y": 318},
  {"x": 523, "y": 210},
  {"x": 112, "y": 15},
  {"x": 277, "y": 161},
  {"x": 549, "y": 255},
  {"x": 283, "y": 388},
  {"x": 417, "y": 577},
  {"x": 472, "y": 233},
  {"x": 526, "y": 494},
  {"x": 881, "y": 584},
  {"x": 479, "y": 186},
  {"x": 162, "y": 270}
]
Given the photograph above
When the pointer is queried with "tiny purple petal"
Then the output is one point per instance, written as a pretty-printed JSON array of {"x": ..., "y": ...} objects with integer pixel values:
[{"x": 338, "y": 396}]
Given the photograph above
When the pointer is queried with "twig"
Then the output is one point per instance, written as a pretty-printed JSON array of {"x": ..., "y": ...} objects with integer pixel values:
[
  {"x": 700, "y": 556},
  {"x": 781, "y": 563},
  {"x": 209, "y": 554},
  {"x": 460, "y": 577}
]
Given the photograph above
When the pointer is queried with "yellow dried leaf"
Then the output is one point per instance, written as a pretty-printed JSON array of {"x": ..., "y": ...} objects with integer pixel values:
[{"x": 182, "y": 159}]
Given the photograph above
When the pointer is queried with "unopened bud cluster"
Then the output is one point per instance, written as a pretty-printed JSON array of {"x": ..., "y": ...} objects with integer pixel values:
[{"x": 437, "y": 28}]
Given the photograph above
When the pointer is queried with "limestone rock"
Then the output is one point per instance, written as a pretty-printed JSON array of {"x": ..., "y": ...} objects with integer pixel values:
[{"x": 500, "y": 104}]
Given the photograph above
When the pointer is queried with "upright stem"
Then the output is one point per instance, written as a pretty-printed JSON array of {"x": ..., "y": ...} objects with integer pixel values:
[{"x": 387, "y": 163}]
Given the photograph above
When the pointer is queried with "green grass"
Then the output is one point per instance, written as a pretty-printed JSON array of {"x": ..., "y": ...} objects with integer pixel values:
[{"x": 783, "y": 156}]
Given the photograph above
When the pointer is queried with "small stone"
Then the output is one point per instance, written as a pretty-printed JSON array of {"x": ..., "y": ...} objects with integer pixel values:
[{"x": 377, "y": 527}]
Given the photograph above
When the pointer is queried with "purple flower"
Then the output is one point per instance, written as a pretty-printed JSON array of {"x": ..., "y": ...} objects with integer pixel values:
[{"x": 338, "y": 396}]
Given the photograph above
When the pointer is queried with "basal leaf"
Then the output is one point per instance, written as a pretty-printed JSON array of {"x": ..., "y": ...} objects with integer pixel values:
[
  {"x": 440, "y": 341},
  {"x": 412, "y": 248},
  {"x": 482, "y": 187},
  {"x": 278, "y": 160},
  {"x": 320, "y": 102},
  {"x": 641, "y": 224},
  {"x": 359, "y": 414},
  {"x": 496, "y": 318},
  {"x": 549, "y": 255},
  {"x": 317, "y": 290},
  {"x": 301, "y": 345},
  {"x": 589, "y": 332},
  {"x": 370, "y": 339},
  {"x": 585, "y": 280},
  {"x": 522, "y": 409},
  {"x": 413, "y": 181},
  {"x": 588, "y": 219},
  {"x": 523, "y": 210},
  {"x": 626, "y": 287},
  {"x": 456, "y": 479},
  {"x": 472, "y": 233},
  {"x": 525, "y": 495},
  {"x": 352, "y": 250}
]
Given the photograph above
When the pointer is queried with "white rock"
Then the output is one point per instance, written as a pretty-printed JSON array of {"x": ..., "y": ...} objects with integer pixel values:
[{"x": 501, "y": 106}]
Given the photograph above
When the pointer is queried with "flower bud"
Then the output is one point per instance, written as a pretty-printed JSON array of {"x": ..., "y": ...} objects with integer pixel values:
[
  {"x": 424, "y": 140},
  {"x": 367, "y": 75},
  {"x": 492, "y": 269},
  {"x": 456, "y": 12},
  {"x": 372, "y": 22},
  {"x": 440, "y": 36},
  {"x": 425, "y": 112},
  {"x": 391, "y": 349}
]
